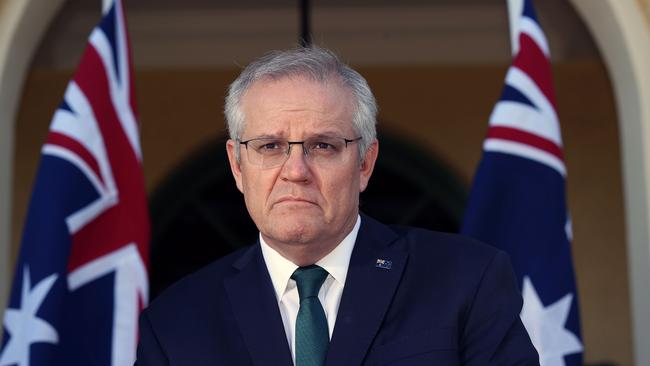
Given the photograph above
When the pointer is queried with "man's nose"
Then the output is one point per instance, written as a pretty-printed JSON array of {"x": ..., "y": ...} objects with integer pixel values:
[{"x": 296, "y": 168}]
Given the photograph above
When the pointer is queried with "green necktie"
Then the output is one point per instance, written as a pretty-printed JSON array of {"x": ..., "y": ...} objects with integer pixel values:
[{"x": 312, "y": 335}]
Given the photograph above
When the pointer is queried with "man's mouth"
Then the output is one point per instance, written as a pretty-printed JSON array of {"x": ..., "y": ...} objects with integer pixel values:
[{"x": 294, "y": 200}]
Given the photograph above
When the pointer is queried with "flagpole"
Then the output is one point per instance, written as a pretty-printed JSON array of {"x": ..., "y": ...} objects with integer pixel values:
[
  {"x": 305, "y": 26},
  {"x": 515, "y": 8},
  {"x": 106, "y": 4}
]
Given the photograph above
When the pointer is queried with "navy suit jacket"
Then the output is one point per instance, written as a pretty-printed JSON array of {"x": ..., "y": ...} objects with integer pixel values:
[{"x": 446, "y": 300}]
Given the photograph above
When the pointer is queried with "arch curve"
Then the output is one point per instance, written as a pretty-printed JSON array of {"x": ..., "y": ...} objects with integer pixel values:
[
  {"x": 622, "y": 34},
  {"x": 22, "y": 25}
]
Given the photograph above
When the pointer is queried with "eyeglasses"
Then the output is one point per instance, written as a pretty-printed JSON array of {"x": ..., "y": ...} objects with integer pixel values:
[{"x": 319, "y": 150}]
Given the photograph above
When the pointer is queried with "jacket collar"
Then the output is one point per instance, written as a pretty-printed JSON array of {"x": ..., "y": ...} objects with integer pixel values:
[
  {"x": 251, "y": 295},
  {"x": 374, "y": 273}
]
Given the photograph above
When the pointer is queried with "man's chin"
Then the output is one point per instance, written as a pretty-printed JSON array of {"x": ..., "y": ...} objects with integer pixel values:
[
  {"x": 300, "y": 231},
  {"x": 296, "y": 214}
]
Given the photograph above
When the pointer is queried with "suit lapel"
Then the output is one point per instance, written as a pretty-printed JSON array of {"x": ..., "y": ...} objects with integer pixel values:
[
  {"x": 251, "y": 295},
  {"x": 367, "y": 294}
]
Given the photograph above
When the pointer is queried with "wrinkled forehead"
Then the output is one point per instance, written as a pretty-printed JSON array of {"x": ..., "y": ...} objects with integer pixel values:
[{"x": 288, "y": 102}]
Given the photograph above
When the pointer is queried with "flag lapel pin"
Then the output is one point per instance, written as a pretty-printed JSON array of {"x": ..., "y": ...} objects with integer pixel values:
[{"x": 383, "y": 263}]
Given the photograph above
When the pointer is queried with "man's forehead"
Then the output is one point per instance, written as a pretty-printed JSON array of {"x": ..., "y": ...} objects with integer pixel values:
[
  {"x": 317, "y": 131},
  {"x": 274, "y": 106}
]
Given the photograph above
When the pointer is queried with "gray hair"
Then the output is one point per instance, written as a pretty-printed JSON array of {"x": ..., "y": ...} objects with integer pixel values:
[{"x": 317, "y": 64}]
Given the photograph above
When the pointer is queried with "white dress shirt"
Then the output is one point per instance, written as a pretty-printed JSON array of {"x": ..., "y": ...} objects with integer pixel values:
[{"x": 335, "y": 263}]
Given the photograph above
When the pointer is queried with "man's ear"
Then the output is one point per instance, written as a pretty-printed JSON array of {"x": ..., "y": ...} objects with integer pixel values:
[
  {"x": 368, "y": 165},
  {"x": 235, "y": 166}
]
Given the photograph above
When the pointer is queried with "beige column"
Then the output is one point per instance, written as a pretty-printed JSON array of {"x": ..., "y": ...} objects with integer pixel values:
[
  {"x": 621, "y": 30},
  {"x": 22, "y": 23}
]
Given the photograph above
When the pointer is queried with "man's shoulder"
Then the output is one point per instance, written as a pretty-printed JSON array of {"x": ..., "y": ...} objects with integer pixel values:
[
  {"x": 426, "y": 242},
  {"x": 200, "y": 287},
  {"x": 438, "y": 250},
  {"x": 442, "y": 242}
]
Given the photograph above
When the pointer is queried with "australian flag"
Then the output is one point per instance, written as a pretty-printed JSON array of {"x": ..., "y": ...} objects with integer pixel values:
[
  {"x": 81, "y": 278},
  {"x": 518, "y": 200}
]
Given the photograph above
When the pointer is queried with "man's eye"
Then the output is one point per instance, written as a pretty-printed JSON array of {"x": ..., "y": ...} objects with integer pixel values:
[
  {"x": 322, "y": 146},
  {"x": 269, "y": 146}
]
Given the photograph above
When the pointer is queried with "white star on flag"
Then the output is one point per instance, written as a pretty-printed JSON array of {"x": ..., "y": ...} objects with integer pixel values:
[
  {"x": 23, "y": 326},
  {"x": 545, "y": 325}
]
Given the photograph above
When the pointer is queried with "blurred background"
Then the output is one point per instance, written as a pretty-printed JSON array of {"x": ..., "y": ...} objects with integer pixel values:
[{"x": 436, "y": 68}]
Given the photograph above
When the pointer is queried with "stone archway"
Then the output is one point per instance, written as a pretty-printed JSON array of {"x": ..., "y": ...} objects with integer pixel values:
[
  {"x": 22, "y": 24},
  {"x": 622, "y": 33}
]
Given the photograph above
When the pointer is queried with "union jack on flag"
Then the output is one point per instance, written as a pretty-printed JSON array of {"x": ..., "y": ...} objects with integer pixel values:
[
  {"x": 518, "y": 200},
  {"x": 81, "y": 277}
]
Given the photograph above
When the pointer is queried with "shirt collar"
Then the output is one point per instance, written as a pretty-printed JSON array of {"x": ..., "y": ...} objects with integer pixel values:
[{"x": 335, "y": 263}]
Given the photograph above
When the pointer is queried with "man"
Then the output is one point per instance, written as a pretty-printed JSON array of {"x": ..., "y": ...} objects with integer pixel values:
[{"x": 325, "y": 285}]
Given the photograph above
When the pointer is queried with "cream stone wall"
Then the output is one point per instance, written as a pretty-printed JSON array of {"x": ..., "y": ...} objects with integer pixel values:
[
  {"x": 622, "y": 33},
  {"x": 22, "y": 23},
  {"x": 645, "y": 6}
]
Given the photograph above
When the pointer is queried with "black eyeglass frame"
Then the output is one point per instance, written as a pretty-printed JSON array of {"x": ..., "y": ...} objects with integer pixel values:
[{"x": 304, "y": 151}]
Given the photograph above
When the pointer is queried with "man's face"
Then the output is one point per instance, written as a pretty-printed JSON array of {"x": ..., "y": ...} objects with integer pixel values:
[{"x": 300, "y": 203}]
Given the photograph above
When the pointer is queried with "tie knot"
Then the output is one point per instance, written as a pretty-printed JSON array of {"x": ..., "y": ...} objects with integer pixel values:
[{"x": 309, "y": 280}]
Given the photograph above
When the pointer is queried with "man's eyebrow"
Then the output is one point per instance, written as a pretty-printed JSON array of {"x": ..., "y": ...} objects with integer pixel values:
[
  {"x": 267, "y": 136},
  {"x": 329, "y": 133}
]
